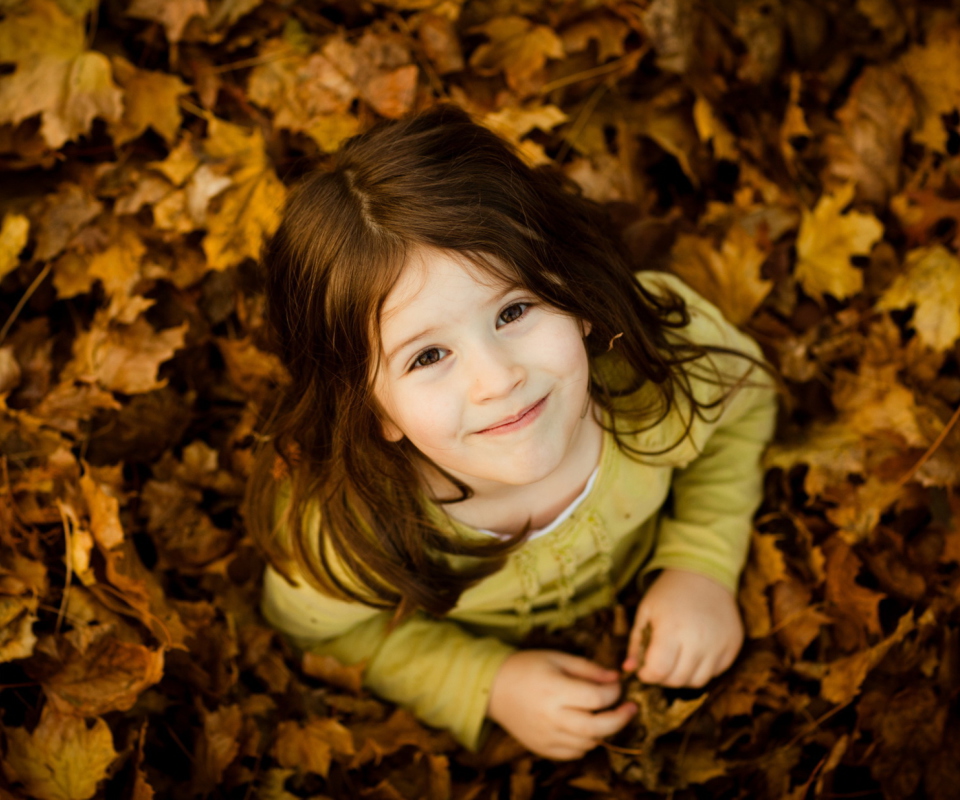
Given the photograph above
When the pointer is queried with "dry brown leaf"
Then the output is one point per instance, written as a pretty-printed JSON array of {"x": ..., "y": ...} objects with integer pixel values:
[
  {"x": 219, "y": 745},
  {"x": 310, "y": 747},
  {"x": 765, "y": 567},
  {"x": 711, "y": 129},
  {"x": 518, "y": 48},
  {"x": 250, "y": 208},
  {"x": 68, "y": 210},
  {"x": 64, "y": 758},
  {"x": 172, "y": 14},
  {"x": 729, "y": 277},
  {"x": 330, "y": 670},
  {"x": 17, "y": 616},
  {"x": 306, "y": 92},
  {"x": 843, "y": 678},
  {"x": 123, "y": 358},
  {"x": 151, "y": 100},
  {"x": 827, "y": 240},
  {"x": 933, "y": 68},
  {"x": 440, "y": 42},
  {"x": 868, "y": 152},
  {"x": 609, "y": 32},
  {"x": 13, "y": 238},
  {"x": 104, "y": 675},
  {"x": 55, "y": 76},
  {"x": 931, "y": 283},
  {"x": 796, "y": 621}
]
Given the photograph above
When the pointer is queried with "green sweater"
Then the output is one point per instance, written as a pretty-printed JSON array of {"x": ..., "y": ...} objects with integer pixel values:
[{"x": 443, "y": 669}]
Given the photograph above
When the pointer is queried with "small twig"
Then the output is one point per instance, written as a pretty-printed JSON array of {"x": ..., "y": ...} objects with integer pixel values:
[
  {"x": 23, "y": 300},
  {"x": 68, "y": 560},
  {"x": 627, "y": 751},
  {"x": 930, "y": 451},
  {"x": 255, "y": 61},
  {"x": 593, "y": 72}
]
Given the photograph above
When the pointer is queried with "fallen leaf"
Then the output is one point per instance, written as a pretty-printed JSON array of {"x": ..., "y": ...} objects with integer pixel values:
[
  {"x": 440, "y": 42},
  {"x": 879, "y": 110},
  {"x": 218, "y": 746},
  {"x": 931, "y": 283},
  {"x": 172, "y": 14},
  {"x": 123, "y": 358},
  {"x": 827, "y": 240},
  {"x": 330, "y": 670},
  {"x": 711, "y": 130},
  {"x": 62, "y": 759},
  {"x": 729, "y": 277},
  {"x": 13, "y": 238},
  {"x": 250, "y": 208},
  {"x": 608, "y": 31},
  {"x": 151, "y": 100},
  {"x": 843, "y": 678},
  {"x": 55, "y": 75},
  {"x": 106, "y": 675},
  {"x": 932, "y": 69},
  {"x": 311, "y": 746},
  {"x": 518, "y": 48}
]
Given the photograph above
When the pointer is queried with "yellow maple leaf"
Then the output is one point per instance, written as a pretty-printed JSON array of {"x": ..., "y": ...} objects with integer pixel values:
[
  {"x": 711, "y": 129},
  {"x": 931, "y": 283},
  {"x": 934, "y": 71},
  {"x": 306, "y": 92},
  {"x": 515, "y": 122},
  {"x": 730, "y": 278},
  {"x": 63, "y": 759},
  {"x": 827, "y": 240},
  {"x": 55, "y": 75},
  {"x": 150, "y": 101},
  {"x": 13, "y": 238},
  {"x": 518, "y": 48},
  {"x": 250, "y": 208},
  {"x": 311, "y": 746}
]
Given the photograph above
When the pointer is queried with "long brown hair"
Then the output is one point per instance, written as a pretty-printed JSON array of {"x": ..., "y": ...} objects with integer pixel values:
[{"x": 434, "y": 180}]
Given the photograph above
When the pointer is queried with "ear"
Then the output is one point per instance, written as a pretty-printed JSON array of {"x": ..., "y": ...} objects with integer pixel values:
[
  {"x": 390, "y": 431},
  {"x": 586, "y": 326}
]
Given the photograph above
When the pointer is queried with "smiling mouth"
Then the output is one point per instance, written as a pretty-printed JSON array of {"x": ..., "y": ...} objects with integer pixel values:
[{"x": 518, "y": 421}]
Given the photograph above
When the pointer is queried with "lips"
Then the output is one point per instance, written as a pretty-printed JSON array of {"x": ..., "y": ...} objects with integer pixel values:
[{"x": 517, "y": 421}]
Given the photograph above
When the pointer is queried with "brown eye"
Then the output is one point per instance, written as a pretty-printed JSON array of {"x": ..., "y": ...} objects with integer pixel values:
[
  {"x": 428, "y": 357},
  {"x": 512, "y": 313}
]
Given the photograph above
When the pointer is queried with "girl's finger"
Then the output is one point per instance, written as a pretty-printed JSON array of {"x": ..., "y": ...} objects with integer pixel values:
[
  {"x": 588, "y": 696},
  {"x": 662, "y": 659},
  {"x": 577, "y": 667},
  {"x": 607, "y": 723},
  {"x": 704, "y": 671}
]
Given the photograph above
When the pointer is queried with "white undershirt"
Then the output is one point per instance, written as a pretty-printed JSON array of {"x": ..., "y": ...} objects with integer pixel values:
[{"x": 561, "y": 517}]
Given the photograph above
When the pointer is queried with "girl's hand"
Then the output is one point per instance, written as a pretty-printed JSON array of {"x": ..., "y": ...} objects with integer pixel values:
[
  {"x": 696, "y": 630},
  {"x": 550, "y": 702}
]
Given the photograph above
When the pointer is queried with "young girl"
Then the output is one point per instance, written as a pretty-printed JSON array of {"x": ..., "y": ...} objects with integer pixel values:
[{"x": 492, "y": 425}]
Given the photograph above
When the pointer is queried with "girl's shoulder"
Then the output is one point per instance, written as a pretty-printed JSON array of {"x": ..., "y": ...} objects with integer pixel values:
[{"x": 722, "y": 383}]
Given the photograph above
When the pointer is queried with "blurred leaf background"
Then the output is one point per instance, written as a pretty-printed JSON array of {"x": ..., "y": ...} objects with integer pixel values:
[{"x": 796, "y": 161}]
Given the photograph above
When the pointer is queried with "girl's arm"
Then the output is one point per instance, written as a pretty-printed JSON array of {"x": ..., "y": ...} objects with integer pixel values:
[
  {"x": 435, "y": 668},
  {"x": 703, "y": 538}
]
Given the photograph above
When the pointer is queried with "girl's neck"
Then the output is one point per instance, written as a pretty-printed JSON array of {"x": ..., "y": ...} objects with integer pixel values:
[{"x": 506, "y": 509}]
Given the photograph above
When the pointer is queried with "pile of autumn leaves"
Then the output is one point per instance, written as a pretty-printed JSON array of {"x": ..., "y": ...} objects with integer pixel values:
[{"x": 797, "y": 167}]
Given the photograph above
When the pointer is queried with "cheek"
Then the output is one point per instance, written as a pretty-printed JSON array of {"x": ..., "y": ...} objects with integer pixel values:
[{"x": 425, "y": 415}]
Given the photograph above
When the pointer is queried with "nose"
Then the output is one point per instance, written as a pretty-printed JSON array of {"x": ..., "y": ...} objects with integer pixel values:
[{"x": 495, "y": 372}]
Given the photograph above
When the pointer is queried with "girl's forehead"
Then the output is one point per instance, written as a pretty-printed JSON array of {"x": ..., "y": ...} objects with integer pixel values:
[{"x": 431, "y": 276}]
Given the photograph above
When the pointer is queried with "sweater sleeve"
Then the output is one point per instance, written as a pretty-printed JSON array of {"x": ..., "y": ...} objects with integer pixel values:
[
  {"x": 435, "y": 668},
  {"x": 714, "y": 495}
]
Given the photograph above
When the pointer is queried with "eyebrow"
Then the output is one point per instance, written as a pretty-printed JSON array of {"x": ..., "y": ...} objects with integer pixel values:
[
  {"x": 434, "y": 328},
  {"x": 403, "y": 345}
]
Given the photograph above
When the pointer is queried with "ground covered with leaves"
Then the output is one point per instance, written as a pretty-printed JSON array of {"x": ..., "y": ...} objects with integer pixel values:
[{"x": 795, "y": 161}]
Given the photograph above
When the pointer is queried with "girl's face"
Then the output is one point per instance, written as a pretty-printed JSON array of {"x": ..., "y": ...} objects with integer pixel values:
[{"x": 485, "y": 380}]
